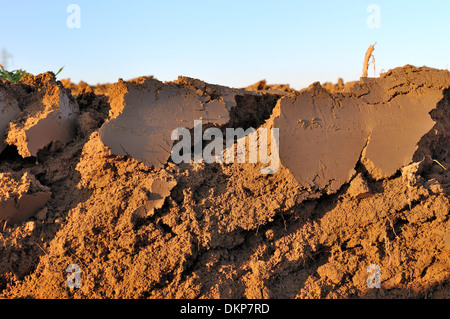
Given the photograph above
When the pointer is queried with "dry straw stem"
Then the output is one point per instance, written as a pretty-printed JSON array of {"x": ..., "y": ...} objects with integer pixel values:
[
  {"x": 367, "y": 58},
  {"x": 440, "y": 165}
]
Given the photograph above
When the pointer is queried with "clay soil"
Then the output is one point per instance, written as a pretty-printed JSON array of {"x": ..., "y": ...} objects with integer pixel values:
[{"x": 223, "y": 230}]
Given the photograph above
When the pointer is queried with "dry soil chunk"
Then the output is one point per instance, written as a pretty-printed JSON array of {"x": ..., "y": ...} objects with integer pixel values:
[
  {"x": 21, "y": 196},
  {"x": 320, "y": 142},
  {"x": 9, "y": 109},
  {"x": 50, "y": 119},
  {"x": 160, "y": 190},
  {"x": 146, "y": 111},
  {"x": 381, "y": 121}
]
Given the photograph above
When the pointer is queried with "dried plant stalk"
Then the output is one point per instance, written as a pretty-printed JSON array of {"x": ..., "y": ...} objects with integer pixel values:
[{"x": 367, "y": 58}]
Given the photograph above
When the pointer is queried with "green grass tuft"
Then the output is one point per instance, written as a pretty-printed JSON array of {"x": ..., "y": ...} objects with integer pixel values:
[
  {"x": 13, "y": 76},
  {"x": 16, "y": 75}
]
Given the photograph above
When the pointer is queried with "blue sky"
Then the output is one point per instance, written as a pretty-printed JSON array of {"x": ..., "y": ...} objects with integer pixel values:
[{"x": 233, "y": 43}]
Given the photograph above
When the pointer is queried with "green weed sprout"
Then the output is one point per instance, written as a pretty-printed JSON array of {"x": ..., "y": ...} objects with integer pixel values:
[
  {"x": 60, "y": 70},
  {"x": 16, "y": 75},
  {"x": 13, "y": 76}
]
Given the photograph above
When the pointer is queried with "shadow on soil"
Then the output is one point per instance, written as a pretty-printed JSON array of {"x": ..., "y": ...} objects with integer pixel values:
[{"x": 20, "y": 250}]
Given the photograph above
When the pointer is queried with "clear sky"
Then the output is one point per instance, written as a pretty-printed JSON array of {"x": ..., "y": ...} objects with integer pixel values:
[{"x": 233, "y": 43}]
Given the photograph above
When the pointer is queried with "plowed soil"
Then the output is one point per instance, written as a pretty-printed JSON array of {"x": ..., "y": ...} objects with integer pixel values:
[{"x": 224, "y": 230}]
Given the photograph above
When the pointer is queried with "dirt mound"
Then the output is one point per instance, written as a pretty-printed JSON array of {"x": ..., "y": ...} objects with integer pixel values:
[
  {"x": 362, "y": 180},
  {"x": 339, "y": 86},
  {"x": 83, "y": 87},
  {"x": 262, "y": 86}
]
